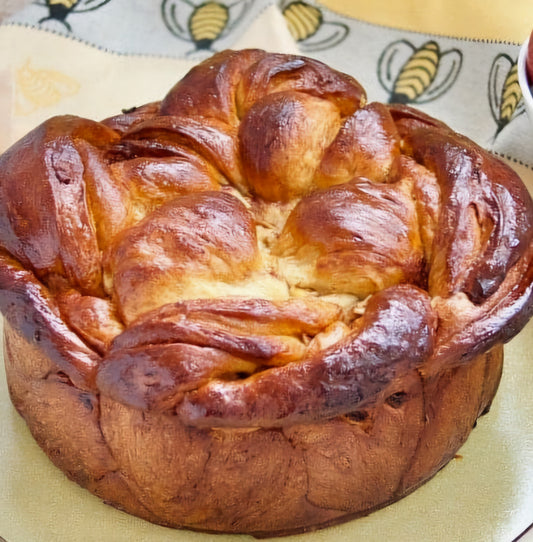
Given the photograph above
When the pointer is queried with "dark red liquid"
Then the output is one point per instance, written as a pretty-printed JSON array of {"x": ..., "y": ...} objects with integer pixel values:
[{"x": 529, "y": 60}]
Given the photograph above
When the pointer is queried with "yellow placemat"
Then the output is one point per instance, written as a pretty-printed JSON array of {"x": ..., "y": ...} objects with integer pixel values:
[
  {"x": 104, "y": 55},
  {"x": 499, "y": 20}
]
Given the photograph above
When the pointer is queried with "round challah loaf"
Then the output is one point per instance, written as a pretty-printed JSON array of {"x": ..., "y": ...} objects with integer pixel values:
[{"x": 260, "y": 305}]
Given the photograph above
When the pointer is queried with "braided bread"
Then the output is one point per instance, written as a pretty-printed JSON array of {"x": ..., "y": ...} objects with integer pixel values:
[{"x": 260, "y": 305}]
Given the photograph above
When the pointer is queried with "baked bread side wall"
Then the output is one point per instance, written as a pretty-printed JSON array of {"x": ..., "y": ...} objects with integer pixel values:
[{"x": 225, "y": 479}]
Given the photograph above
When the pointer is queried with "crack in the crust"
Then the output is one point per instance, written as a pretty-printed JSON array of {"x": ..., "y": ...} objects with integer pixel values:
[
  {"x": 98, "y": 419},
  {"x": 305, "y": 470},
  {"x": 118, "y": 469},
  {"x": 488, "y": 398},
  {"x": 484, "y": 388},
  {"x": 427, "y": 250},
  {"x": 124, "y": 476},
  {"x": 397, "y": 493}
]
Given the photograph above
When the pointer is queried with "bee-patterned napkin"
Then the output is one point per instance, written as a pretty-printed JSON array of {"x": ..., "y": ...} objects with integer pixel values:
[
  {"x": 455, "y": 60},
  {"x": 460, "y": 65}
]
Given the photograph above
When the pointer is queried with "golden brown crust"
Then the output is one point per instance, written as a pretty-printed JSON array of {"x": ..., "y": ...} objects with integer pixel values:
[
  {"x": 29, "y": 307},
  {"x": 487, "y": 211},
  {"x": 307, "y": 292},
  {"x": 333, "y": 232},
  {"x": 282, "y": 138},
  {"x": 94, "y": 319},
  {"x": 51, "y": 230},
  {"x": 393, "y": 336},
  {"x": 366, "y": 145},
  {"x": 206, "y": 236}
]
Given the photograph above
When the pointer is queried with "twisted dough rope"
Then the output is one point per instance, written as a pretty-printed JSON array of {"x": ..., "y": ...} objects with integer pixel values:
[{"x": 97, "y": 219}]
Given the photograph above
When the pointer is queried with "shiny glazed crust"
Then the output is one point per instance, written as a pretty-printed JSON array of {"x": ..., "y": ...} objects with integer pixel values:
[{"x": 260, "y": 305}]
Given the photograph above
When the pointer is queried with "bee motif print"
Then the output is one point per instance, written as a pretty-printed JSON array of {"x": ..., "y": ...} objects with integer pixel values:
[
  {"x": 505, "y": 96},
  {"x": 39, "y": 88},
  {"x": 308, "y": 27},
  {"x": 202, "y": 23},
  {"x": 417, "y": 75},
  {"x": 59, "y": 10}
]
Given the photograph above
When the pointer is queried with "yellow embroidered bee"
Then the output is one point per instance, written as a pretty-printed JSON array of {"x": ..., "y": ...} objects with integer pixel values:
[
  {"x": 307, "y": 26},
  {"x": 58, "y": 10},
  {"x": 37, "y": 88},
  {"x": 412, "y": 75},
  {"x": 505, "y": 96},
  {"x": 203, "y": 23}
]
